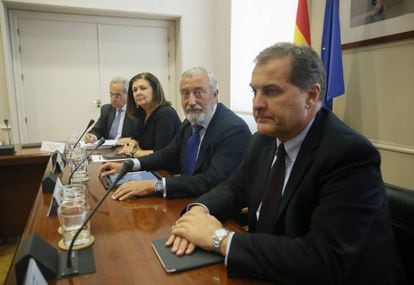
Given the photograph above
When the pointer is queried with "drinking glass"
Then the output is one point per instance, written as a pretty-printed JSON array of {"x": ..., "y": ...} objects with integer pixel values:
[
  {"x": 80, "y": 172},
  {"x": 73, "y": 192},
  {"x": 72, "y": 214}
]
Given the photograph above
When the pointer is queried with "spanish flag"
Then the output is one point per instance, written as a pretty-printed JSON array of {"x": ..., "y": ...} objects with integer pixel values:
[{"x": 302, "y": 30}]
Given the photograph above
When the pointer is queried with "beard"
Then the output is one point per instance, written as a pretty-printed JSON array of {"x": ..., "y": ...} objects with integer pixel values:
[{"x": 198, "y": 118}]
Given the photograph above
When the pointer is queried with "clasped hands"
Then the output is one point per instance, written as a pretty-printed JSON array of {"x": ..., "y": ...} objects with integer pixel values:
[
  {"x": 194, "y": 229},
  {"x": 130, "y": 146}
]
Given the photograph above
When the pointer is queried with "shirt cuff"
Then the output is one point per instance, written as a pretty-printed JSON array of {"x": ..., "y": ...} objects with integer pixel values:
[
  {"x": 164, "y": 188},
  {"x": 137, "y": 164},
  {"x": 189, "y": 206},
  {"x": 230, "y": 237}
]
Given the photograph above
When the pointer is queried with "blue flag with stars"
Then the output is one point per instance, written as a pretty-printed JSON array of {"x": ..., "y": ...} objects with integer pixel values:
[{"x": 331, "y": 53}]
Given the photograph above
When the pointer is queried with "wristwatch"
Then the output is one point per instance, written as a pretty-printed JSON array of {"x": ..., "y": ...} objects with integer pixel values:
[
  {"x": 218, "y": 237},
  {"x": 158, "y": 186}
]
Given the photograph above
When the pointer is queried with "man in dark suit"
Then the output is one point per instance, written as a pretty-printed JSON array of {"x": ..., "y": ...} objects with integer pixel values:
[
  {"x": 327, "y": 221},
  {"x": 222, "y": 138},
  {"x": 113, "y": 122}
]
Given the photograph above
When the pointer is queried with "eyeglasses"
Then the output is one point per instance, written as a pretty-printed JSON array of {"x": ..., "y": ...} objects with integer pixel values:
[{"x": 116, "y": 95}]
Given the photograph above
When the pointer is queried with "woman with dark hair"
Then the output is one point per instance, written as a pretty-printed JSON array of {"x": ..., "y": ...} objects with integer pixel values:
[{"x": 158, "y": 120}]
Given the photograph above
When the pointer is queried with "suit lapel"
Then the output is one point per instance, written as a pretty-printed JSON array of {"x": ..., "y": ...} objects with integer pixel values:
[
  {"x": 304, "y": 160},
  {"x": 111, "y": 117}
]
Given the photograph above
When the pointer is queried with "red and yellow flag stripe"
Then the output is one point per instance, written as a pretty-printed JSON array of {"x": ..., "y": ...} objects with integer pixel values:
[{"x": 302, "y": 27}]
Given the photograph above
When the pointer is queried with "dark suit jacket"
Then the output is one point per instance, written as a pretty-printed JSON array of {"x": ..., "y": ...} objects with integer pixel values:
[
  {"x": 332, "y": 225},
  {"x": 104, "y": 123},
  {"x": 220, "y": 153}
]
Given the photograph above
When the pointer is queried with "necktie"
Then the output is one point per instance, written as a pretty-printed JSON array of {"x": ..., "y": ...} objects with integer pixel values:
[
  {"x": 115, "y": 125},
  {"x": 272, "y": 196},
  {"x": 190, "y": 154}
]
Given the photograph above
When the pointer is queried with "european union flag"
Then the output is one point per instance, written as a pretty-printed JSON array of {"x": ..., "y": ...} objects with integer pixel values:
[{"x": 331, "y": 53}]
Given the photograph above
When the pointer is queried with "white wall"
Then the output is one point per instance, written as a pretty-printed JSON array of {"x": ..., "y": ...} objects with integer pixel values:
[{"x": 203, "y": 32}]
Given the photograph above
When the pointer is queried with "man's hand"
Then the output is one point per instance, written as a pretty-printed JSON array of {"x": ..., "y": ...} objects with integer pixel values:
[
  {"x": 110, "y": 168},
  {"x": 194, "y": 228},
  {"x": 90, "y": 138},
  {"x": 133, "y": 189}
]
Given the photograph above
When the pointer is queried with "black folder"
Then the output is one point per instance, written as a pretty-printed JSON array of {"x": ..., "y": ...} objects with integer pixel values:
[{"x": 174, "y": 263}]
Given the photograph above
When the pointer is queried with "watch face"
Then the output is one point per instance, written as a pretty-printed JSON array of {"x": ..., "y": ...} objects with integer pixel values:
[{"x": 221, "y": 232}]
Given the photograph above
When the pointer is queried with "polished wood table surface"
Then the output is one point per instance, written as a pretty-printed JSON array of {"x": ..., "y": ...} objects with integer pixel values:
[
  {"x": 123, "y": 233},
  {"x": 20, "y": 178}
]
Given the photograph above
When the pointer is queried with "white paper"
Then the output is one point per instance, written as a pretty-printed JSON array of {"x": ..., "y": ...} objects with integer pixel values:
[
  {"x": 100, "y": 158},
  {"x": 33, "y": 274},
  {"x": 106, "y": 144},
  {"x": 52, "y": 146}
]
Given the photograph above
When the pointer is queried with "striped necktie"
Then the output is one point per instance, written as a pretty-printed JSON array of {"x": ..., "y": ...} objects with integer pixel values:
[{"x": 115, "y": 125}]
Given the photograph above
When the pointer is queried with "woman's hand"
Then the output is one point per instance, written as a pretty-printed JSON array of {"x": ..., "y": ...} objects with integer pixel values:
[{"x": 130, "y": 148}]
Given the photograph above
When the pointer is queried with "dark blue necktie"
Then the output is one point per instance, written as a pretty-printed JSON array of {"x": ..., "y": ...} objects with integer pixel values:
[
  {"x": 273, "y": 193},
  {"x": 190, "y": 154}
]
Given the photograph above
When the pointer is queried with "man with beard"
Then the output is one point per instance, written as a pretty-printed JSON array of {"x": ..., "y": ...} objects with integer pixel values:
[{"x": 206, "y": 150}]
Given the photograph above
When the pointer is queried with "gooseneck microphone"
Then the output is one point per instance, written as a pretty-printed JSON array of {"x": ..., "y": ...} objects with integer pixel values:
[
  {"x": 89, "y": 125},
  {"x": 72, "y": 255},
  {"x": 100, "y": 142}
]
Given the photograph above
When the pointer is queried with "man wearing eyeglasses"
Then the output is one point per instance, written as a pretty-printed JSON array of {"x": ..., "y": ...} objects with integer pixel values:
[{"x": 113, "y": 122}]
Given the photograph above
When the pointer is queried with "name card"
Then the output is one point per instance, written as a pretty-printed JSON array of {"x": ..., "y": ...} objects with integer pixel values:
[
  {"x": 55, "y": 201},
  {"x": 33, "y": 274},
  {"x": 52, "y": 146}
]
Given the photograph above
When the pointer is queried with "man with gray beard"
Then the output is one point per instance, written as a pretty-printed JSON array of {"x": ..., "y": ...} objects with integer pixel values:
[{"x": 206, "y": 150}]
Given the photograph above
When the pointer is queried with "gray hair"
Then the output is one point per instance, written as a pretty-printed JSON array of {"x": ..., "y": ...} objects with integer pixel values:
[
  {"x": 306, "y": 66},
  {"x": 212, "y": 81},
  {"x": 120, "y": 80}
]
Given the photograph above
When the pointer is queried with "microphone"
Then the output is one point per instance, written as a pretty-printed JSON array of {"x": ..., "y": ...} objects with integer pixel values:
[
  {"x": 89, "y": 125},
  {"x": 100, "y": 142},
  {"x": 72, "y": 255}
]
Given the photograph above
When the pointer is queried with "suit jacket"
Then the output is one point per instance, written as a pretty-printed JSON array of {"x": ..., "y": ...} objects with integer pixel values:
[
  {"x": 220, "y": 153},
  {"x": 103, "y": 125},
  {"x": 332, "y": 224}
]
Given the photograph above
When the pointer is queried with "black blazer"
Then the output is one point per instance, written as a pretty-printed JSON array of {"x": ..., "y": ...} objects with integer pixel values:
[
  {"x": 103, "y": 125},
  {"x": 220, "y": 153},
  {"x": 159, "y": 129},
  {"x": 332, "y": 225}
]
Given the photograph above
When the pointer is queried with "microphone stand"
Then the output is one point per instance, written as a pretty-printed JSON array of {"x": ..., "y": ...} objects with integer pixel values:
[
  {"x": 101, "y": 141},
  {"x": 87, "y": 127},
  {"x": 72, "y": 256}
]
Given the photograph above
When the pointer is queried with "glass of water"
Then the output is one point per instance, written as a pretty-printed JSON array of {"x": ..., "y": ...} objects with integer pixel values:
[
  {"x": 77, "y": 167},
  {"x": 73, "y": 192},
  {"x": 72, "y": 214}
]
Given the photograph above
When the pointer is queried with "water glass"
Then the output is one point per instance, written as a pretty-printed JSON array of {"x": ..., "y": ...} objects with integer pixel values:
[
  {"x": 73, "y": 192},
  {"x": 72, "y": 214},
  {"x": 80, "y": 172}
]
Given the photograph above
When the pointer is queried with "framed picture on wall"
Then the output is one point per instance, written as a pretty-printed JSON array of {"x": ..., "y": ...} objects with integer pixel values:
[{"x": 365, "y": 22}]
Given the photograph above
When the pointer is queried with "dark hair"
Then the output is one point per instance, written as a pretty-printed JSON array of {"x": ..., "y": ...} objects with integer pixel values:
[
  {"x": 158, "y": 96},
  {"x": 306, "y": 66}
]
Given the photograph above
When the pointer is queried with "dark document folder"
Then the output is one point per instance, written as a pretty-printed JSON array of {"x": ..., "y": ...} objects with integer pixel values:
[{"x": 173, "y": 263}]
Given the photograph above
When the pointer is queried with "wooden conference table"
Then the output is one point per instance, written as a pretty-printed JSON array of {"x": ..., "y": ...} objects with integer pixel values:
[{"x": 123, "y": 233}]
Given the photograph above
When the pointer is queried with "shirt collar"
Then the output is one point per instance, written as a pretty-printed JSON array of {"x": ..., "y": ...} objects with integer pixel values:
[{"x": 292, "y": 146}]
